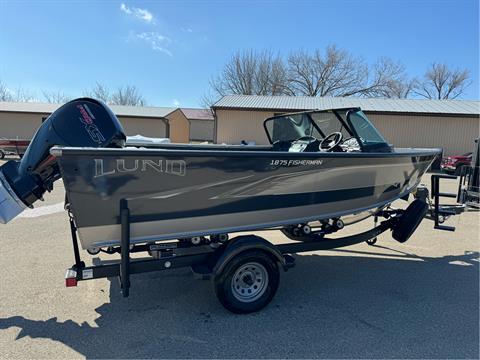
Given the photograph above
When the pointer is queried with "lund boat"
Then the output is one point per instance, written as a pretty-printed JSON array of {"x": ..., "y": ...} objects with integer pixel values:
[
  {"x": 320, "y": 165},
  {"x": 178, "y": 193},
  {"x": 179, "y": 202}
]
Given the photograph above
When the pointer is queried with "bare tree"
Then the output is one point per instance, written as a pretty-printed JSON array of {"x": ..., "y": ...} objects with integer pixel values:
[
  {"x": 5, "y": 93},
  {"x": 22, "y": 95},
  {"x": 338, "y": 73},
  {"x": 401, "y": 89},
  {"x": 208, "y": 99},
  {"x": 441, "y": 82},
  {"x": 100, "y": 92},
  {"x": 55, "y": 97},
  {"x": 123, "y": 95},
  {"x": 17, "y": 95},
  {"x": 251, "y": 73},
  {"x": 334, "y": 74},
  {"x": 386, "y": 78},
  {"x": 127, "y": 95}
]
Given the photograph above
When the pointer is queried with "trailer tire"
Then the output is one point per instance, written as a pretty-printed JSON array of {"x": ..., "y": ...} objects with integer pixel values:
[
  {"x": 411, "y": 218},
  {"x": 248, "y": 282},
  {"x": 2, "y": 154}
]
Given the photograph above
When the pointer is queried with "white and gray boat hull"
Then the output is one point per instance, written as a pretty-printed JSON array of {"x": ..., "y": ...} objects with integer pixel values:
[{"x": 174, "y": 193}]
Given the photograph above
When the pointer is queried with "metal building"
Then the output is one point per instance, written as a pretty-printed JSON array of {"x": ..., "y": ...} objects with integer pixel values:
[
  {"x": 201, "y": 124},
  {"x": 21, "y": 120},
  {"x": 450, "y": 124}
]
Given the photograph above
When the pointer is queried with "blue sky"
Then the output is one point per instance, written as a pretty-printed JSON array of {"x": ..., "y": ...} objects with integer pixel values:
[{"x": 170, "y": 49}]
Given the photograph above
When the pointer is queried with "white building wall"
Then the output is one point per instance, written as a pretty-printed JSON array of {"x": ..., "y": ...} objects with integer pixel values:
[
  {"x": 15, "y": 125},
  {"x": 143, "y": 126},
  {"x": 19, "y": 125},
  {"x": 233, "y": 126},
  {"x": 455, "y": 135}
]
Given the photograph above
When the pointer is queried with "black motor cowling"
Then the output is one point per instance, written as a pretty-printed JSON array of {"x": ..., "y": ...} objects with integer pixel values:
[{"x": 82, "y": 122}]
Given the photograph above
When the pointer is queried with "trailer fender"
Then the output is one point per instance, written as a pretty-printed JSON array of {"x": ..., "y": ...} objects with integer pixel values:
[{"x": 243, "y": 243}]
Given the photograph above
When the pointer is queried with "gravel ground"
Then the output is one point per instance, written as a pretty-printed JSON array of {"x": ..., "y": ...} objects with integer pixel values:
[{"x": 414, "y": 300}]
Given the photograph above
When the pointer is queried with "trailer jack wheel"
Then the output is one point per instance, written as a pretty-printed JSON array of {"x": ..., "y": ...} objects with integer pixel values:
[
  {"x": 248, "y": 282},
  {"x": 93, "y": 251}
]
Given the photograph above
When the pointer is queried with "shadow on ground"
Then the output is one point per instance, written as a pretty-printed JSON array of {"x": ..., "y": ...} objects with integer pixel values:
[{"x": 348, "y": 306}]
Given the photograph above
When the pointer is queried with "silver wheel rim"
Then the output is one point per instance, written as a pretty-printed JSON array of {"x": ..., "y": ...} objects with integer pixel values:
[{"x": 249, "y": 282}]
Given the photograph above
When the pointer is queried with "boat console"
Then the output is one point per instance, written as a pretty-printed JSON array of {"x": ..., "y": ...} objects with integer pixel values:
[
  {"x": 305, "y": 144},
  {"x": 339, "y": 130}
]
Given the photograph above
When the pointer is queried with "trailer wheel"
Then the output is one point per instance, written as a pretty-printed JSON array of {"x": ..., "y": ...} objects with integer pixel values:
[
  {"x": 2, "y": 154},
  {"x": 248, "y": 282}
]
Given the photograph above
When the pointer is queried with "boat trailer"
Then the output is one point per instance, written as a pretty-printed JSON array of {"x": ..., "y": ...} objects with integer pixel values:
[{"x": 245, "y": 270}]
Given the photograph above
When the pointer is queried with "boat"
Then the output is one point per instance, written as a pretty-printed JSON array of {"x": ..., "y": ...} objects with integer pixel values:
[
  {"x": 179, "y": 203},
  {"x": 320, "y": 166}
]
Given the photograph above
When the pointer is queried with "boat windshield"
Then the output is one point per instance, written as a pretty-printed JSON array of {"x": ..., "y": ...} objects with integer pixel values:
[
  {"x": 366, "y": 133},
  {"x": 351, "y": 123},
  {"x": 290, "y": 127},
  {"x": 318, "y": 124},
  {"x": 329, "y": 122}
]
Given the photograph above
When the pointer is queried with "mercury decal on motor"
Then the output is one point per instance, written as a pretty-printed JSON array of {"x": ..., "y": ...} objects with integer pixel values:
[
  {"x": 173, "y": 167},
  {"x": 296, "y": 162},
  {"x": 87, "y": 119}
]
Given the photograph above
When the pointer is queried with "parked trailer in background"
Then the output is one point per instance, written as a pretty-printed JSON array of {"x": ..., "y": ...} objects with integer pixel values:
[
  {"x": 13, "y": 147},
  {"x": 469, "y": 187}
]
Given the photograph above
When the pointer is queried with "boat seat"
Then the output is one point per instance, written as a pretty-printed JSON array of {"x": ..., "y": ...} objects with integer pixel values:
[{"x": 281, "y": 145}]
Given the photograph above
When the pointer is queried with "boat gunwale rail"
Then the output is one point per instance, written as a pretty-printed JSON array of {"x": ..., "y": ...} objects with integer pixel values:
[{"x": 59, "y": 151}]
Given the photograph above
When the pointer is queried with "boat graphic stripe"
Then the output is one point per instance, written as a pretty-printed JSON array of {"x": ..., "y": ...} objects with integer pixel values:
[{"x": 266, "y": 202}]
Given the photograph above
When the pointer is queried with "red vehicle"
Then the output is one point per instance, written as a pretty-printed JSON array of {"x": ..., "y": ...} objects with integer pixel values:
[
  {"x": 453, "y": 164},
  {"x": 13, "y": 146}
]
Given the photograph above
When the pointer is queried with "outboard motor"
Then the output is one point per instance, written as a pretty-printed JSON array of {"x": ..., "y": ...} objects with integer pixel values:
[{"x": 82, "y": 122}]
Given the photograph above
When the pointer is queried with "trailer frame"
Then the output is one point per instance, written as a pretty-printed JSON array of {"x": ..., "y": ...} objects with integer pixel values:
[{"x": 206, "y": 261}]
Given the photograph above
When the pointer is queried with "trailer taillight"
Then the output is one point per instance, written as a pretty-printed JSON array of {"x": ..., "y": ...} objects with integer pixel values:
[{"x": 71, "y": 278}]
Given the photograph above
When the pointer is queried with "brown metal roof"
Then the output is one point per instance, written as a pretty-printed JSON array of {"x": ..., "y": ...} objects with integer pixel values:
[{"x": 197, "y": 114}]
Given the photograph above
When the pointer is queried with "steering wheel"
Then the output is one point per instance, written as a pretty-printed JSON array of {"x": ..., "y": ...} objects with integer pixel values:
[{"x": 331, "y": 141}]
